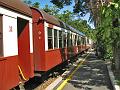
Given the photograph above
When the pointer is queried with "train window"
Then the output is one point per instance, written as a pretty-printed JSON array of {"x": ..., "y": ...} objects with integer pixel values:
[
  {"x": 85, "y": 40},
  {"x": 1, "y": 37},
  {"x": 79, "y": 40},
  {"x": 82, "y": 41},
  {"x": 75, "y": 41},
  {"x": 71, "y": 40},
  {"x": 50, "y": 39},
  {"x": 88, "y": 41},
  {"x": 68, "y": 39},
  {"x": 60, "y": 39},
  {"x": 64, "y": 38},
  {"x": 55, "y": 39}
]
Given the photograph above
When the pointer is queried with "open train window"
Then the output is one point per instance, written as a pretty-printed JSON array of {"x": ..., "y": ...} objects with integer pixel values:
[
  {"x": 64, "y": 39},
  {"x": 83, "y": 41},
  {"x": 60, "y": 39},
  {"x": 79, "y": 40},
  {"x": 1, "y": 36},
  {"x": 88, "y": 41},
  {"x": 75, "y": 42},
  {"x": 68, "y": 39},
  {"x": 55, "y": 39},
  {"x": 50, "y": 39},
  {"x": 72, "y": 40}
]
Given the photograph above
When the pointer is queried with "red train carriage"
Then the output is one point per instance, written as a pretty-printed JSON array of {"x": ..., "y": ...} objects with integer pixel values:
[
  {"x": 15, "y": 43},
  {"x": 46, "y": 51},
  {"x": 32, "y": 40},
  {"x": 54, "y": 41}
]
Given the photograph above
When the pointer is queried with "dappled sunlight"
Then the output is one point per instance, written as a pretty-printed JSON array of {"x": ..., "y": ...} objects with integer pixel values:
[{"x": 92, "y": 75}]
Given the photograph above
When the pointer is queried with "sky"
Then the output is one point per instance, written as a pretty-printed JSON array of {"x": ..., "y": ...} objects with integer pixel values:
[{"x": 70, "y": 7}]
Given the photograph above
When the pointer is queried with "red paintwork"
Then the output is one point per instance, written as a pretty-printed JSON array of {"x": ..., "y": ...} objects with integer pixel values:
[
  {"x": 69, "y": 52},
  {"x": 52, "y": 59},
  {"x": 66, "y": 53},
  {"x": 25, "y": 61},
  {"x": 38, "y": 41},
  {"x": 43, "y": 60},
  {"x": 46, "y": 60},
  {"x": 81, "y": 48},
  {"x": 32, "y": 66},
  {"x": 84, "y": 46},
  {"x": 75, "y": 49},
  {"x": 9, "y": 74}
]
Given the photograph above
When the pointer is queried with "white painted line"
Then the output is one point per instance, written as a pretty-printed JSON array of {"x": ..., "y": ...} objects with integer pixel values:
[{"x": 52, "y": 85}]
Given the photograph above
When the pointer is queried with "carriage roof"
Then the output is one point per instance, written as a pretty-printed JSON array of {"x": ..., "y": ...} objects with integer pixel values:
[
  {"x": 51, "y": 19},
  {"x": 16, "y": 5}
]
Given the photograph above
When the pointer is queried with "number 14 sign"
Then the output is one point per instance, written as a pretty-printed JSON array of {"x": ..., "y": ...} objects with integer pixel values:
[{"x": 10, "y": 29}]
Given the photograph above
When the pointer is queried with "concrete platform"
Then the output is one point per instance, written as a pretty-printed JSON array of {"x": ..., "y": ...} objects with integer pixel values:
[{"x": 92, "y": 74}]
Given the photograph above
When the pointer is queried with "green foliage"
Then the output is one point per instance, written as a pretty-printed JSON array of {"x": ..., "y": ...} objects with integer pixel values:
[
  {"x": 36, "y": 4},
  {"x": 61, "y": 3},
  {"x": 108, "y": 35},
  {"x": 52, "y": 10},
  {"x": 29, "y": 3},
  {"x": 80, "y": 7},
  {"x": 71, "y": 18},
  {"x": 66, "y": 16}
]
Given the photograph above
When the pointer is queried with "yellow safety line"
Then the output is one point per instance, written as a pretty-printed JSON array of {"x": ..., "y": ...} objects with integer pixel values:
[
  {"x": 22, "y": 74},
  {"x": 70, "y": 76}
]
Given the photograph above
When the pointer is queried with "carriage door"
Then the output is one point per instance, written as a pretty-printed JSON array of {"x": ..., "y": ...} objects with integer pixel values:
[{"x": 23, "y": 46}]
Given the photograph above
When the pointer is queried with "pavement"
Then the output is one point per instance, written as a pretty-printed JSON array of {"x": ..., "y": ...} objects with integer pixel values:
[{"x": 92, "y": 74}]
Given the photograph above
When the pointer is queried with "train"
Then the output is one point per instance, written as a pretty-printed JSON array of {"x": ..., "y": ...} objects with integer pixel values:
[{"x": 32, "y": 40}]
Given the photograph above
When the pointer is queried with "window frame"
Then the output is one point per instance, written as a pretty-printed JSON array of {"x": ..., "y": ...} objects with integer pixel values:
[
  {"x": 1, "y": 36},
  {"x": 61, "y": 38},
  {"x": 50, "y": 37},
  {"x": 56, "y": 42},
  {"x": 79, "y": 40},
  {"x": 75, "y": 43},
  {"x": 65, "y": 39},
  {"x": 68, "y": 39}
]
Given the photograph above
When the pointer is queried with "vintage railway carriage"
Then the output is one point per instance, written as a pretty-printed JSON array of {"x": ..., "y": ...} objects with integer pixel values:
[
  {"x": 32, "y": 40},
  {"x": 46, "y": 32},
  {"x": 77, "y": 42},
  {"x": 54, "y": 41},
  {"x": 16, "y": 47}
]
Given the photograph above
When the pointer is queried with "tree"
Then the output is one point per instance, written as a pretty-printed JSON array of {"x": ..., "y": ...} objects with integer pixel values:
[
  {"x": 52, "y": 10},
  {"x": 109, "y": 23},
  {"x": 81, "y": 6},
  {"x": 105, "y": 14},
  {"x": 29, "y": 3},
  {"x": 66, "y": 16},
  {"x": 36, "y": 4},
  {"x": 61, "y": 3},
  {"x": 70, "y": 18}
]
